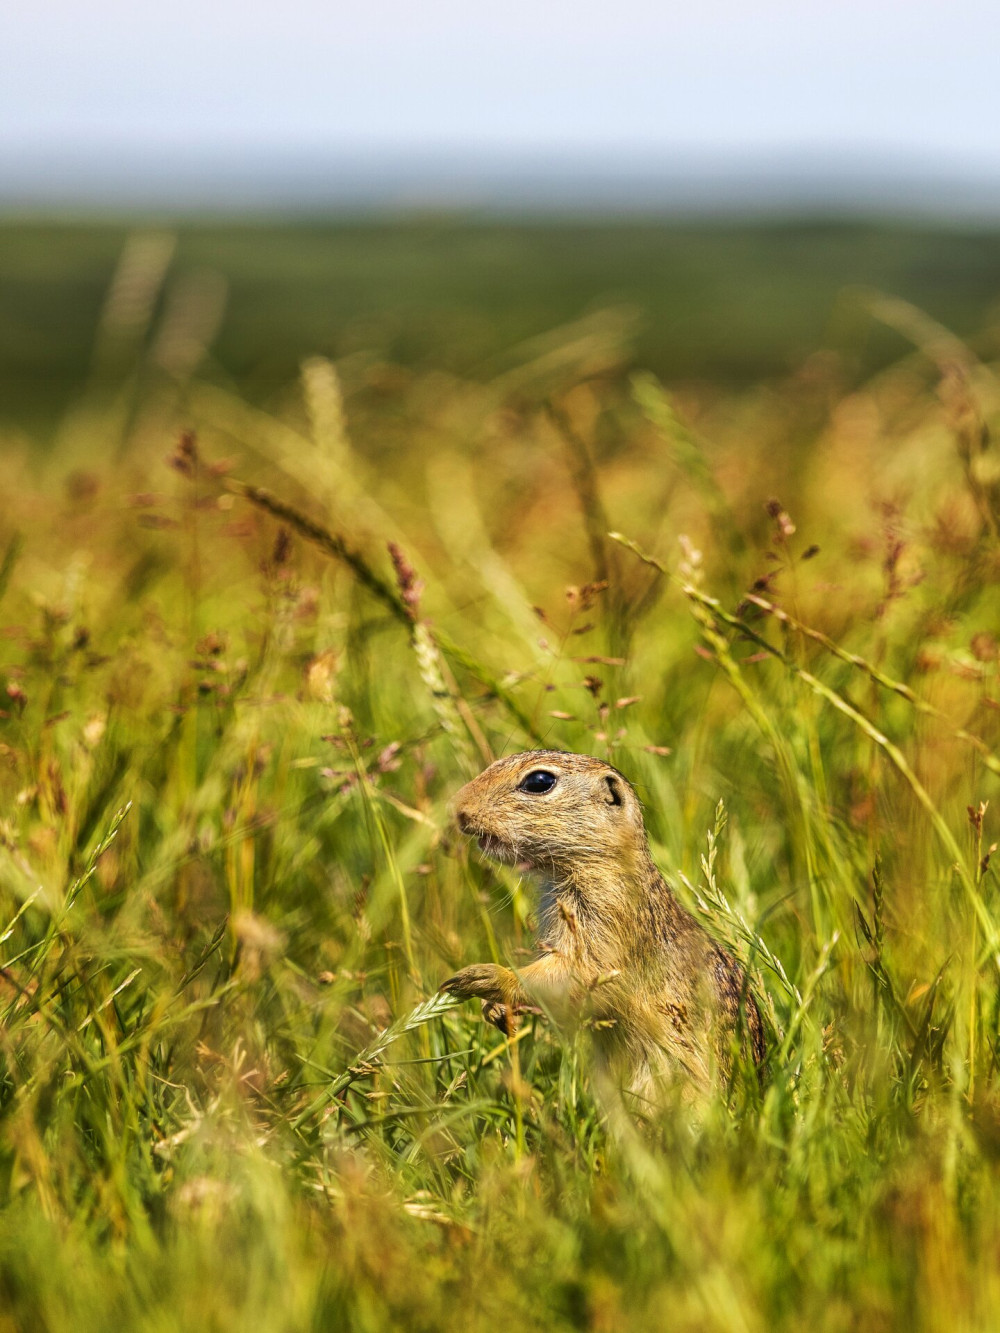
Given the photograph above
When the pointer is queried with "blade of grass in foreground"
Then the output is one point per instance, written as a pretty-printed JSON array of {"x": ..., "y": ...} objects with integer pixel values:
[{"x": 368, "y": 1059}]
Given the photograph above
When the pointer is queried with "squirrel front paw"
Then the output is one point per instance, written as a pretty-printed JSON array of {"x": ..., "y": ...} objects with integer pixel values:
[
  {"x": 502, "y": 1016},
  {"x": 480, "y": 981}
]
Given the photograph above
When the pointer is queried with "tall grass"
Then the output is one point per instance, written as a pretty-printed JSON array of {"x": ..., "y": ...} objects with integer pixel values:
[{"x": 247, "y": 656}]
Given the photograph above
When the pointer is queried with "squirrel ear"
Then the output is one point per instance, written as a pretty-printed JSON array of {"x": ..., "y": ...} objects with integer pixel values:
[{"x": 614, "y": 796}]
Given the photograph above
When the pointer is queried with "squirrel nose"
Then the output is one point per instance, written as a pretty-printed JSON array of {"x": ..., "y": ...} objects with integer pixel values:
[{"x": 463, "y": 821}]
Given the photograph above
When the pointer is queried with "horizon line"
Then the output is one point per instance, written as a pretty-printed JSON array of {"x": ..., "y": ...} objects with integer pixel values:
[{"x": 498, "y": 180}]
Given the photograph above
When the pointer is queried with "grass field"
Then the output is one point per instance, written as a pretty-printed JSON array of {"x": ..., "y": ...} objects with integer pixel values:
[{"x": 230, "y": 728}]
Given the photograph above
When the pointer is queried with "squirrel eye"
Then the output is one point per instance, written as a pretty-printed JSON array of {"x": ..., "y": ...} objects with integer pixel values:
[{"x": 538, "y": 782}]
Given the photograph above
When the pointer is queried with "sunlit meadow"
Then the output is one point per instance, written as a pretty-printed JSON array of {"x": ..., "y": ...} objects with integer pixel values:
[{"x": 249, "y": 652}]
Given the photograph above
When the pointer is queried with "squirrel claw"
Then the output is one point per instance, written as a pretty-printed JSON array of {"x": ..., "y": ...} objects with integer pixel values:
[
  {"x": 479, "y": 981},
  {"x": 501, "y": 1016}
]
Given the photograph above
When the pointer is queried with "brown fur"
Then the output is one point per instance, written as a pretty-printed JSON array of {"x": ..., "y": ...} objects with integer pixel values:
[{"x": 617, "y": 947}]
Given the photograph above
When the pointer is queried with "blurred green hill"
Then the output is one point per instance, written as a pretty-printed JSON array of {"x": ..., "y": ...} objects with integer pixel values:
[{"x": 721, "y": 301}]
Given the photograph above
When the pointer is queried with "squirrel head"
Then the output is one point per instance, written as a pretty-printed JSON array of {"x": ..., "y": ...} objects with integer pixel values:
[{"x": 558, "y": 813}]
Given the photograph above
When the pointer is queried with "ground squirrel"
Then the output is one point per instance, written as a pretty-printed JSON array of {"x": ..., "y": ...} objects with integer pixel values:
[{"x": 616, "y": 945}]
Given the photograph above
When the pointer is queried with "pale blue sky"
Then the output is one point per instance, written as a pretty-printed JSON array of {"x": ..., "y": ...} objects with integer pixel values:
[
  {"x": 762, "y": 74},
  {"x": 249, "y": 102}
]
